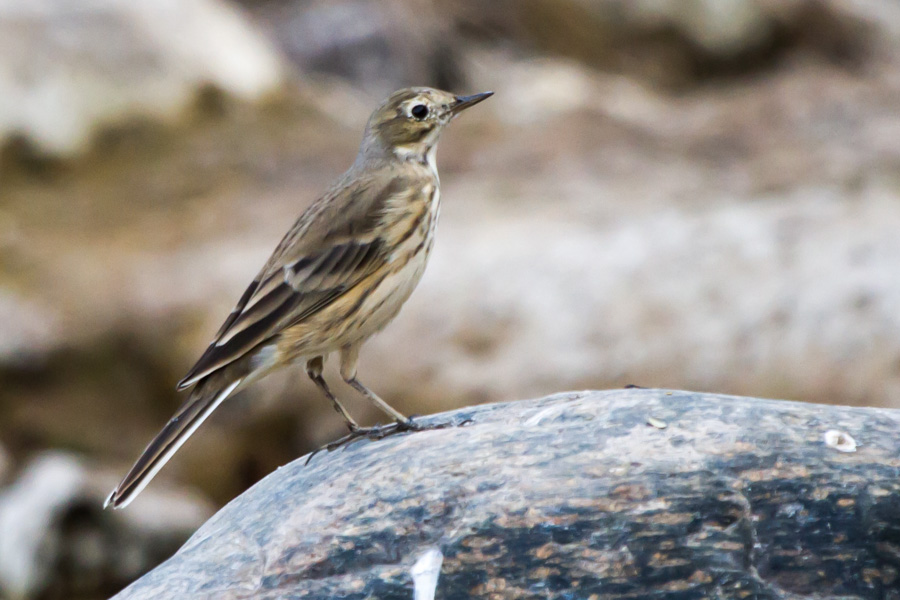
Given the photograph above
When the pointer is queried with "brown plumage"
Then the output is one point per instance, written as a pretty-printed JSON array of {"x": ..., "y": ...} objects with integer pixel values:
[{"x": 339, "y": 275}]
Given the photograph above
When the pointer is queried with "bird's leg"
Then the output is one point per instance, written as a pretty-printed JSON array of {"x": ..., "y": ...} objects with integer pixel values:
[
  {"x": 402, "y": 421},
  {"x": 314, "y": 368},
  {"x": 349, "y": 356},
  {"x": 349, "y": 359}
]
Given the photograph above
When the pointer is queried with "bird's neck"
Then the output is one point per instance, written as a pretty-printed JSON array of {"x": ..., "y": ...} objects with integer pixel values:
[
  {"x": 420, "y": 154},
  {"x": 424, "y": 155}
]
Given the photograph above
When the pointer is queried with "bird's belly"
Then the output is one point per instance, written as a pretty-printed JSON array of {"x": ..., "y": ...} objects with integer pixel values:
[
  {"x": 380, "y": 297},
  {"x": 371, "y": 304},
  {"x": 355, "y": 316},
  {"x": 385, "y": 300}
]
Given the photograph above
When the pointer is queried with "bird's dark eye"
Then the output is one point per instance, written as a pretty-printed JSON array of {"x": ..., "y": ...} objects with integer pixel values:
[{"x": 419, "y": 111}]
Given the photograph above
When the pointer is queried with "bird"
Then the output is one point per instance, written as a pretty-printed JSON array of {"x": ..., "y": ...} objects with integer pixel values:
[{"x": 339, "y": 275}]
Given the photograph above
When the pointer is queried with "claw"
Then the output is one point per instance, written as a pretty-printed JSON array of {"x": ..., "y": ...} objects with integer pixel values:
[
  {"x": 379, "y": 432},
  {"x": 408, "y": 425}
]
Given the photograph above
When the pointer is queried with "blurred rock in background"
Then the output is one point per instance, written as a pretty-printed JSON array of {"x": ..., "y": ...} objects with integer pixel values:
[
  {"x": 679, "y": 42},
  {"x": 58, "y": 543},
  {"x": 70, "y": 68},
  {"x": 377, "y": 45},
  {"x": 683, "y": 194}
]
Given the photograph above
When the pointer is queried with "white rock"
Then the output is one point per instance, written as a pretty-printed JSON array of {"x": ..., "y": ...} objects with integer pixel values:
[
  {"x": 69, "y": 67},
  {"x": 27, "y": 511},
  {"x": 39, "y": 550}
]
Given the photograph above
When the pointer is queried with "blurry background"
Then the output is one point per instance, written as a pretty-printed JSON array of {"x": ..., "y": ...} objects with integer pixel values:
[{"x": 701, "y": 194}]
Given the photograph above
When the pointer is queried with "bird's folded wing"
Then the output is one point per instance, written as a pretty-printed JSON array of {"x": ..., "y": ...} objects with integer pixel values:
[
  {"x": 307, "y": 272},
  {"x": 288, "y": 296}
]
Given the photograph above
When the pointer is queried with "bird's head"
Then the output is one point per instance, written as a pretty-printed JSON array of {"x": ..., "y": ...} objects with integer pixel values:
[{"x": 409, "y": 123}]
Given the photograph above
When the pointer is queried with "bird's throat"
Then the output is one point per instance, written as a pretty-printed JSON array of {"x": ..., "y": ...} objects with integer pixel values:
[{"x": 425, "y": 155}]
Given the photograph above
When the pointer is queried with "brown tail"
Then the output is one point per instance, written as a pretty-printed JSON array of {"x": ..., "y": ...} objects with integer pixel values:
[{"x": 204, "y": 399}]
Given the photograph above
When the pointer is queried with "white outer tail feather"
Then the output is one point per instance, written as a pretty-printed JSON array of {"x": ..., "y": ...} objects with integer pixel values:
[{"x": 164, "y": 458}]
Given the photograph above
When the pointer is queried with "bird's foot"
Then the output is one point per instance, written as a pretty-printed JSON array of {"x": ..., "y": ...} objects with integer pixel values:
[{"x": 378, "y": 432}]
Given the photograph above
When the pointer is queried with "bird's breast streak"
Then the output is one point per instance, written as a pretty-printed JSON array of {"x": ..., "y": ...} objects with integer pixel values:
[
  {"x": 370, "y": 305},
  {"x": 384, "y": 300}
]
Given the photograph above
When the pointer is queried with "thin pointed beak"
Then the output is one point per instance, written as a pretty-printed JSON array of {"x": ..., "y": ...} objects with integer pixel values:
[{"x": 464, "y": 102}]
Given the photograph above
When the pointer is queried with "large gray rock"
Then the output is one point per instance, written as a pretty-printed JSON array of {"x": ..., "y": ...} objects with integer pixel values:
[{"x": 626, "y": 494}]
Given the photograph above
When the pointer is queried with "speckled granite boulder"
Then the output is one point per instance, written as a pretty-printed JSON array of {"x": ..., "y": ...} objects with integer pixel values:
[{"x": 619, "y": 494}]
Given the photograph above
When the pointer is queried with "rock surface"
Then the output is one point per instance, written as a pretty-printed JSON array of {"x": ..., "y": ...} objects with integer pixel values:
[{"x": 622, "y": 494}]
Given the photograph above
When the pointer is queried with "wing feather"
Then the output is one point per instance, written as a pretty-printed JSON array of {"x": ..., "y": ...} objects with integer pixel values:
[
  {"x": 294, "y": 298},
  {"x": 332, "y": 247}
]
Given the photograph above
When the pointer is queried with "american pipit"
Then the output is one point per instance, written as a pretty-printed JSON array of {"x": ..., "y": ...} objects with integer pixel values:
[{"x": 340, "y": 275}]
